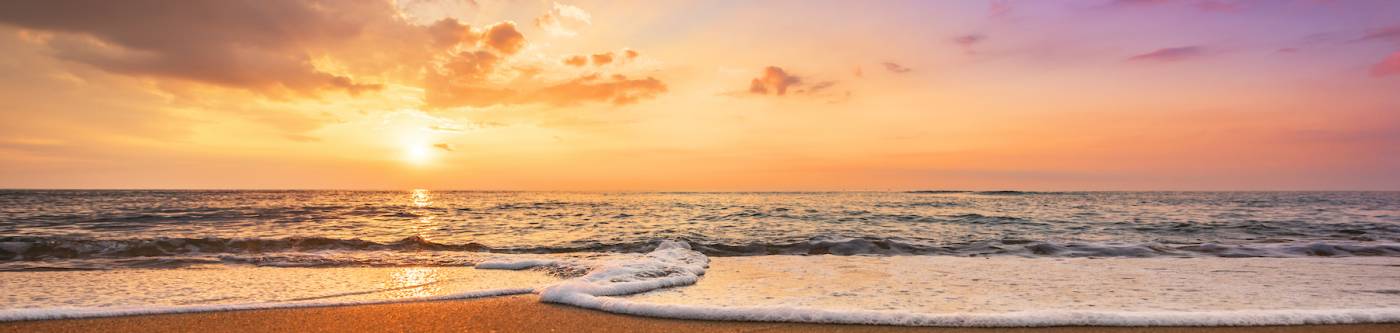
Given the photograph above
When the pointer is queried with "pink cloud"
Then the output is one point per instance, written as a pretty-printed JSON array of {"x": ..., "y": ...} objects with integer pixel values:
[
  {"x": 1219, "y": 6},
  {"x": 1391, "y": 33},
  {"x": 774, "y": 80},
  {"x": 967, "y": 41},
  {"x": 998, "y": 9},
  {"x": 1170, "y": 54},
  {"x": 1389, "y": 66},
  {"x": 896, "y": 68}
]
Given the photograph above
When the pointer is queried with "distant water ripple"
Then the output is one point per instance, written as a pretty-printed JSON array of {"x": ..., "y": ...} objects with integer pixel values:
[{"x": 53, "y": 230}]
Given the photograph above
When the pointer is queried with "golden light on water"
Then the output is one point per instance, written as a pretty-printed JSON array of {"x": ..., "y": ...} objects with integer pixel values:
[
  {"x": 422, "y": 198},
  {"x": 413, "y": 282}
]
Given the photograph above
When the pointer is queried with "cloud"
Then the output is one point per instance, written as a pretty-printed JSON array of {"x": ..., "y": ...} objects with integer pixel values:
[
  {"x": 630, "y": 54},
  {"x": 1387, "y": 34},
  {"x": 618, "y": 90},
  {"x": 1171, "y": 54},
  {"x": 1389, "y": 66},
  {"x": 503, "y": 37},
  {"x": 303, "y": 48},
  {"x": 257, "y": 45},
  {"x": 774, "y": 80},
  {"x": 602, "y": 58},
  {"x": 998, "y": 9},
  {"x": 1131, "y": 3},
  {"x": 444, "y": 147},
  {"x": 1220, "y": 6},
  {"x": 448, "y": 33},
  {"x": 817, "y": 88},
  {"x": 967, "y": 41},
  {"x": 564, "y": 20},
  {"x": 576, "y": 61},
  {"x": 467, "y": 82},
  {"x": 1217, "y": 6},
  {"x": 896, "y": 68}
]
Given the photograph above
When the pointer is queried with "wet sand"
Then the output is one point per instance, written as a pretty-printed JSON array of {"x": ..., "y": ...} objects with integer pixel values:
[{"x": 522, "y": 313}]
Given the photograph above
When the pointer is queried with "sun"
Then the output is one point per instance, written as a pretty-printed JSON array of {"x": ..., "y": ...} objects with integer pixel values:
[{"x": 417, "y": 154}]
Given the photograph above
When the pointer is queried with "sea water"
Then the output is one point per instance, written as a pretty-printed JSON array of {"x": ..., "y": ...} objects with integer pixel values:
[{"x": 942, "y": 258}]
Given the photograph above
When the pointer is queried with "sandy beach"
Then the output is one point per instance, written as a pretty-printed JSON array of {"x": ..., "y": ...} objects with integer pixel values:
[{"x": 521, "y": 314}]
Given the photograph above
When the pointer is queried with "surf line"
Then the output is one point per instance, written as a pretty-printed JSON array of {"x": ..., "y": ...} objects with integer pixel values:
[{"x": 674, "y": 264}]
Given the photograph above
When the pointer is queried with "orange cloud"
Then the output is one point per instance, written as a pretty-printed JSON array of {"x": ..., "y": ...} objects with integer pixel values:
[
  {"x": 465, "y": 82},
  {"x": 630, "y": 54},
  {"x": 563, "y": 20},
  {"x": 619, "y": 90},
  {"x": 576, "y": 61},
  {"x": 448, "y": 32},
  {"x": 774, "y": 80},
  {"x": 602, "y": 59},
  {"x": 503, "y": 37}
]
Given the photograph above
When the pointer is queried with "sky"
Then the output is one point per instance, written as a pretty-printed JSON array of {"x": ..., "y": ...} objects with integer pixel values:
[{"x": 701, "y": 96}]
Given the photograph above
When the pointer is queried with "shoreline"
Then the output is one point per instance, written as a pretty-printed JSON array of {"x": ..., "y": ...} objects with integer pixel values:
[{"x": 527, "y": 313}]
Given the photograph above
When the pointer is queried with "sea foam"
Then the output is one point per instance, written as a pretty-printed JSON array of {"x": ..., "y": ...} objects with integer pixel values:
[
  {"x": 674, "y": 264},
  {"x": 92, "y": 312}
]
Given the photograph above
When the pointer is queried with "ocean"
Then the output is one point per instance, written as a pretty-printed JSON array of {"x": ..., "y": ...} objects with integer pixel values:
[{"x": 940, "y": 258}]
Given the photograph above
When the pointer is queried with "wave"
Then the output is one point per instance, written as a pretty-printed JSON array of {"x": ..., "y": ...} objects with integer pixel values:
[
  {"x": 64, "y": 253},
  {"x": 73, "y": 312},
  {"x": 676, "y": 264}
]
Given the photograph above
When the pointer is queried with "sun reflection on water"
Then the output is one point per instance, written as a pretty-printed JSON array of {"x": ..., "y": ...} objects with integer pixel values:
[
  {"x": 413, "y": 282},
  {"x": 422, "y": 198}
]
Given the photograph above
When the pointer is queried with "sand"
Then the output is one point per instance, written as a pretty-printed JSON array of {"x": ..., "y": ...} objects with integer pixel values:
[{"x": 521, "y": 314}]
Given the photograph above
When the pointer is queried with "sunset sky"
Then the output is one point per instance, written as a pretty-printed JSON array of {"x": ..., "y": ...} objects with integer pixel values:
[{"x": 706, "y": 95}]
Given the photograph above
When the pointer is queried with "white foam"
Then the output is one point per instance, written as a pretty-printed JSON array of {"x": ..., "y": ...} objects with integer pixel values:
[
  {"x": 1011, "y": 319},
  {"x": 671, "y": 264},
  {"x": 515, "y": 265},
  {"x": 674, "y": 264},
  {"x": 84, "y": 312}
]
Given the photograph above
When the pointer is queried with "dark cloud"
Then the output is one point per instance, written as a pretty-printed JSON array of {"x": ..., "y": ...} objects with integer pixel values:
[
  {"x": 773, "y": 80},
  {"x": 269, "y": 47},
  {"x": 258, "y": 45},
  {"x": 896, "y": 68},
  {"x": 1170, "y": 54},
  {"x": 444, "y": 147}
]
